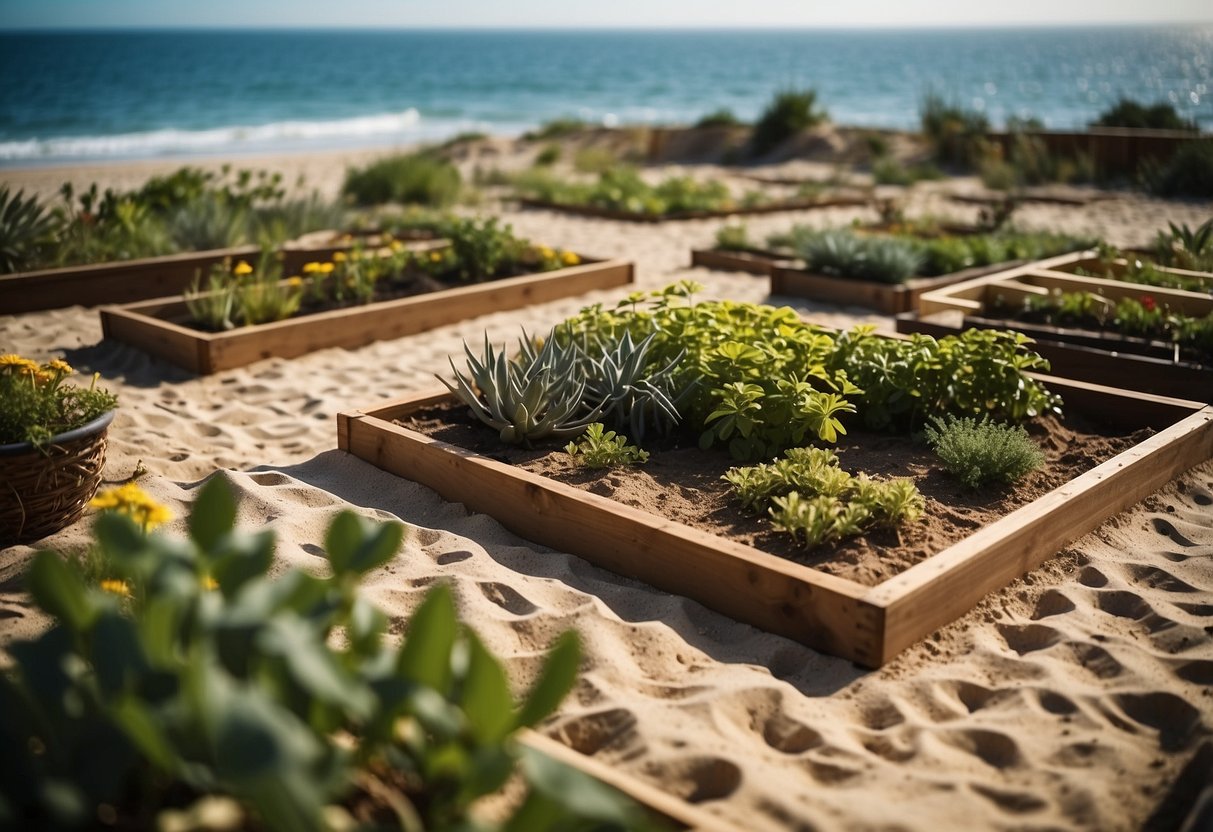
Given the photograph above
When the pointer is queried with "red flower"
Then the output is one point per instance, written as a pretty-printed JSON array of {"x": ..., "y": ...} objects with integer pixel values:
[{"x": 1148, "y": 302}]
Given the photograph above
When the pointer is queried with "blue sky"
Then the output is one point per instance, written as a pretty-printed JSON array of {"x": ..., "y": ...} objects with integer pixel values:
[{"x": 17, "y": 14}]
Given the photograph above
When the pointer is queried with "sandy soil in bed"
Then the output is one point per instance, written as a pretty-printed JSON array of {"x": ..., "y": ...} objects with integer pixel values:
[{"x": 1073, "y": 699}]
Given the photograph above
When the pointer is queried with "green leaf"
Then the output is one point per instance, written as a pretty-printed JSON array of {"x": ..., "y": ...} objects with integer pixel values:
[
  {"x": 140, "y": 726},
  {"x": 345, "y": 534},
  {"x": 248, "y": 557},
  {"x": 426, "y": 655},
  {"x": 118, "y": 537},
  {"x": 579, "y": 794},
  {"x": 312, "y": 665},
  {"x": 213, "y": 514},
  {"x": 117, "y": 656},
  {"x": 357, "y": 545},
  {"x": 366, "y": 625},
  {"x": 486, "y": 697},
  {"x": 555, "y": 680},
  {"x": 59, "y": 590},
  {"x": 378, "y": 547}
]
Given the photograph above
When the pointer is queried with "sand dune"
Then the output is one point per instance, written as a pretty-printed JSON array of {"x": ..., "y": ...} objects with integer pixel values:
[{"x": 1070, "y": 700}]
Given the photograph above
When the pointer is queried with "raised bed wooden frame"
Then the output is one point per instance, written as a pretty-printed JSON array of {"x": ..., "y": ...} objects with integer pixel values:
[
  {"x": 1102, "y": 358},
  {"x": 635, "y": 216},
  {"x": 757, "y": 261},
  {"x": 868, "y": 625},
  {"x": 152, "y": 326},
  {"x": 128, "y": 281}
]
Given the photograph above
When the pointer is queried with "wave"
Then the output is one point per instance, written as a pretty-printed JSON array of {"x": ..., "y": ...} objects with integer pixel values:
[{"x": 406, "y": 125}]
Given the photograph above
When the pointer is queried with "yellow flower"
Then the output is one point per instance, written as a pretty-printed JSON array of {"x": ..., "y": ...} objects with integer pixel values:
[
  {"x": 209, "y": 583},
  {"x": 570, "y": 259},
  {"x": 116, "y": 587},
  {"x": 135, "y": 503},
  {"x": 311, "y": 268},
  {"x": 58, "y": 365},
  {"x": 324, "y": 268},
  {"x": 396, "y": 246},
  {"x": 294, "y": 281},
  {"x": 242, "y": 268},
  {"x": 546, "y": 253},
  {"x": 435, "y": 257},
  {"x": 338, "y": 256},
  {"x": 16, "y": 364}
]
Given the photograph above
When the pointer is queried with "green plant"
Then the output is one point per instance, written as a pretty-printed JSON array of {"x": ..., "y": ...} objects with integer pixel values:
[
  {"x": 480, "y": 248},
  {"x": 213, "y": 306},
  {"x": 208, "y": 222},
  {"x": 888, "y": 171},
  {"x": 594, "y": 160},
  {"x": 420, "y": 178},
  {"x": 27, "y": 231},
  {"x": 636, "y": 392},
  {"x": 36, "y": 404},
  {"x": 809, "y": 496},
  {"x": 548, "y": 156},
  {"x": 957, "y": 134},
  {"x": 718, "y": 118},
  {"x": 1185, "y": 248},
  {"x": 844, "y": 253},
  {"x": 1188, "y": 173},
  {"x": 539, "y": 394},
  {"x": 787, "y": 114},
  {"x": 1129, "y": 113},
  {"x": 189, "y": 675},
  {"x": 733, "y": 237},
  {"x": 557, "y": 128},
  {"x": 263, "y": 296},
  {"x": 980, "y": 452},
  {"x": 601, "y": 448}
]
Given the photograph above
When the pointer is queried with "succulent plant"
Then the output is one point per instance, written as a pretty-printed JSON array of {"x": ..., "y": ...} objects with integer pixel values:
[
  {"x": 538, "y": 395},
  {"x": 846, "y": 254},
  {"x": 27, "y": 231},
  {"x": 634, "y": 393}
]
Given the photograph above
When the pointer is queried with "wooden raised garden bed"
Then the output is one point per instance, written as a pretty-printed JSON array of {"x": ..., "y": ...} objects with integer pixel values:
[
  {"x": 867, "y": 624},
  {"x": 1101, "y": 357},
  {"x": 636, "y": 216},
  {"x": 1119, "y": 267},
  {"x": 886, "y": 298},
  {"x": 159, "y": 326},
  {"x": 127, "y": 281},
  {"x": 751, "y": 260}
]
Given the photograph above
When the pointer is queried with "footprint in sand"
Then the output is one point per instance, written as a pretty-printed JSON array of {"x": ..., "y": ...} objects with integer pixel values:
[
  {"x": 591, "y": 733},
  {"x": 1028, "y": 638},
  {"x": 506, "y": 597},
  {"x": 696, "y": 779},
  {"x": 1176, "y": 721}
]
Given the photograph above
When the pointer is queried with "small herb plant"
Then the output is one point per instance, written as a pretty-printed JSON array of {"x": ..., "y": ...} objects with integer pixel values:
[
  {"x": 809, "y": 496},
  {"x": 187, "y": 675},
  {"x": 733, "y": 237},
  {"x": 37, "y": 402},
  {"x": 602, "y": 448},
  {"x": 980, "y": 452}
]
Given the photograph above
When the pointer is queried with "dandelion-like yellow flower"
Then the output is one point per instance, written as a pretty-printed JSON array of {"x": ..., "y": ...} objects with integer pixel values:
[
  {"x": 570, "y": 259},
  {"x": 435, "y": 257},
  {"x": 338, "y": 256},
  {"x": 242, "y": 268},
  {"x": 11, "y": 362},
  {"x": 58, "y": 365},
  {"x": 294, "y": 281},
  {"x": 325, "y": 268},
  {"x": 209, "y": 583},
  {"x": 546, "y": 253},
  {"x": 396, "y": 246},
  {"x": 116, "y": 587},
  {"x": 311, "y": 268},
  {"x": 135, "y": 503}
]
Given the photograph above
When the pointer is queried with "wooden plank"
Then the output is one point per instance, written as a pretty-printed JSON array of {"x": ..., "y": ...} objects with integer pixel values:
[
  {"x": 150, "y": 325},
  {"x": 739, "y": 581},
  {"x": 751, "y": 261},
  {"x": 946, "y": 586},
  {"x": 635, "y": 216},
  {"x": 1196, "y": 304},
  {"x": 665, "y": 806}
]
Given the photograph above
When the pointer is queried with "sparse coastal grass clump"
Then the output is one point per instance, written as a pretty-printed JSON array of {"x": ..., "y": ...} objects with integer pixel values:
[
  {"x": 789, "y": 113},
  {"x": 421, "y": 178}
]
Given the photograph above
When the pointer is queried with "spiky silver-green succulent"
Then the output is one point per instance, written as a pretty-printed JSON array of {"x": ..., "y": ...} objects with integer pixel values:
[
  {"x": 540, "y": 394},
  {"x": 636, "y": 395}
]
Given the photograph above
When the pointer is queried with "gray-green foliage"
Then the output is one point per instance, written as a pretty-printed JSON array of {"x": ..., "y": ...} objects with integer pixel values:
[
  {"x": 809, "y": 496},
  {"x": 602, "y": 448},
  {"x": 27, "y": 231},
  {"x": 637, "y": 392},
  {"x": 980, "y": 452},
  {"x": 863, "y": 257},
  {"x": 537, "y": 395},
  {"x": 147, "y": 702}
]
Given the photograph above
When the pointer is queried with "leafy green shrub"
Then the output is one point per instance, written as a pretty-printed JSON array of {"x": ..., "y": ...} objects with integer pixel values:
[
  {"x": 36, "y": 404},
  {"x": 1184, "y": 248},
  {"x": 844, "y": 253},
  {"x": 719, "y": 118},
  {"x": 1129, "y": 113},
  {"x": 809, "y": 496},
  {"x": 888, "y": 171},
  {"x": 548, "y": 156},
  {"x": 957, "y": 134},
  {"x": 420, "y": 178},
  {"x": 207, "y": 222},
  {"x": 601, "y": 448},
  {"x": 481, "y": 247},
  {"x": 189, "y": 673},
  {"x": 787, "y": 114},
  {"x": 557, "y": 128},
  {"x": 1189, "y": 173},
  {"x": 980, "y": 452},
  {"x": 594, "y": 160},
  {"x": 27, "y": 231},
  {"x": 733, "y": 237}
]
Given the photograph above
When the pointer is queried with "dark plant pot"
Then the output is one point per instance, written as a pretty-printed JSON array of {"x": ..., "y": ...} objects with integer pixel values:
[{"x": 43, "y": 490}]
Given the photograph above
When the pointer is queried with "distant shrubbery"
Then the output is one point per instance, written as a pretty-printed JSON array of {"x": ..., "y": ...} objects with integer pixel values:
[
  {"x": 787, "y": 115},
  {"x": 1189, "y": 173},
  {"x": 408, "y": 178},
  {"x": 1129, "y": 113},
  {"x": 957, "y": 134},
  {"x": 720, "y": 118},
  {"x": 557, "y": 129}
]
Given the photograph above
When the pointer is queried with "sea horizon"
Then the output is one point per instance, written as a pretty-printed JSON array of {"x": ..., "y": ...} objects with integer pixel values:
[{"x": 133, "y": 93}]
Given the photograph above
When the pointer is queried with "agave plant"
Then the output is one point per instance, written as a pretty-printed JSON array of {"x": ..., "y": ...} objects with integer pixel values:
[
  {"x": 26, "y": 230},
  {"x": 634, "y": 393},
  {"x": 538, "y": 395},
  {"x": 846, "y": 254}
]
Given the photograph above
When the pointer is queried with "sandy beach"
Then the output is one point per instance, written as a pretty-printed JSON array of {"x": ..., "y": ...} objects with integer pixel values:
[{"x": 1071, "y": 700}]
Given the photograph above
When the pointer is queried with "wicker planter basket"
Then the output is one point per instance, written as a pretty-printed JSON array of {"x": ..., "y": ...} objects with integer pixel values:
[{"x": 41, "y": 491}]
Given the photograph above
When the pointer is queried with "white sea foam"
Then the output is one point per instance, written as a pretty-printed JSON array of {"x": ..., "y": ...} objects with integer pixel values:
[{"x": 403, "y": 126}]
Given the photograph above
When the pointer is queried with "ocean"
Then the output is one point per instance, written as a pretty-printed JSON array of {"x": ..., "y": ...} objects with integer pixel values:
[{"x": 150, "y": 94}]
